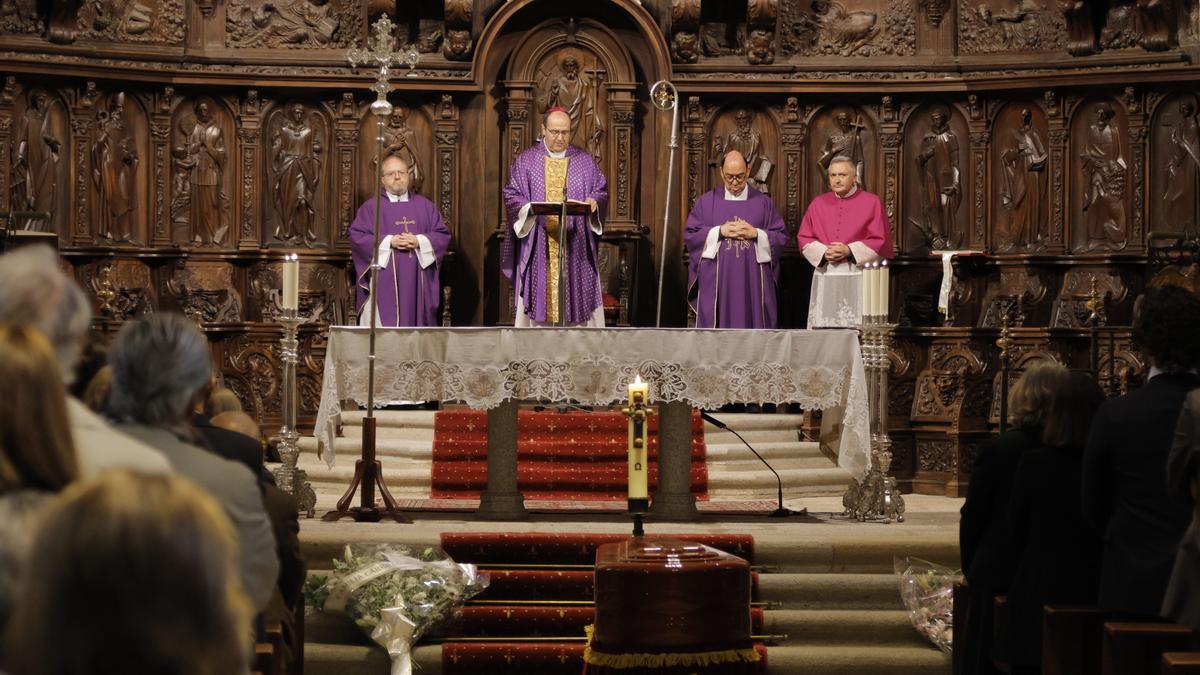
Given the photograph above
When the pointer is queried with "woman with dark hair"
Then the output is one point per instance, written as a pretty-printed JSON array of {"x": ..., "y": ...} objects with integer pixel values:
[
  {"x": 987, "y": 555},
  {"x": 1059, "y": 551}
]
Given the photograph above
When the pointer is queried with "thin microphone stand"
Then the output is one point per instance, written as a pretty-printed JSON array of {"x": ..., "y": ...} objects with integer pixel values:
[{"x": 779, "y": 512}]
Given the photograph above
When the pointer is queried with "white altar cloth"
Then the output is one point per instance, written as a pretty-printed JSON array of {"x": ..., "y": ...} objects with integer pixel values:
[{"x": 482, "y": 367}]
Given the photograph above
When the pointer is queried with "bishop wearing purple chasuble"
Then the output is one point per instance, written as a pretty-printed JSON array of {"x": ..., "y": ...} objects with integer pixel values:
[
  {"x": 530, "y": 257},
  {"x": 734, "y": 237},
  {"x": 412, "y": 241}
]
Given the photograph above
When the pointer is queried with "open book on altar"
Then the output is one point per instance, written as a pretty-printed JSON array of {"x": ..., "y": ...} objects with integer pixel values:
[{"x": 574, "y": 208}]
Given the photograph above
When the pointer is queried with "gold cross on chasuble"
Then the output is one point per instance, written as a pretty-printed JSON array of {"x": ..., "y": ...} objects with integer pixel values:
[{"x": 556, "y": 191}]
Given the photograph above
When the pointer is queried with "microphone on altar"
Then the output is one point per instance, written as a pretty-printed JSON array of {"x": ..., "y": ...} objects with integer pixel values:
[{"x": 780, "y": 512}]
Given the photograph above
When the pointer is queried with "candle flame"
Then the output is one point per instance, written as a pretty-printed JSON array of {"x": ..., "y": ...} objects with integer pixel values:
[{"x": 637, "y": 378}]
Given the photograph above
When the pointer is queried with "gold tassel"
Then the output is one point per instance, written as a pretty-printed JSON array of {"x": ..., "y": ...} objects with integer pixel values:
[{"x": 669, "y": 660}]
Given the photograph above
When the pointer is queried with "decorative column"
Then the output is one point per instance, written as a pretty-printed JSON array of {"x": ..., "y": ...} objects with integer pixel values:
[
  {"x": 83, "y": 119},
  {"x": 446, "y": 135},
  {"x": 503, "y": 499},
  {"x": 346, "y": 134},
  {"x": 291, "y": 479},
  {"x": 981, "y": 136},
  {"x": 519, "y": 131},
  {"x": 160, "y": 131},
  {"x": 623, "y": 150},
  {"x": 795, "y": 135},
  {"x": 1134, "y": 106},
  {"x": 695, "y": 146},
  {"x": 249, "y": 125},
  {"x": 891, "y": 139},
  {"x": 6, "y": 120},
  {"x": 1059, "y": 135}
]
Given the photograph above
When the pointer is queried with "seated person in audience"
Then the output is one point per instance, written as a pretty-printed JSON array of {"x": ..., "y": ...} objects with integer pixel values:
[
  {"x": 95, "y": 394},
  {"x": 1058, "y": 550},
  {"x": 37, "y": 455},
  {"x": 35, "y": 292},
  {"x": 137, "y": 575},
  {"x": 1125, "y": 463},
  {"x": 221, "y": 399},
  {"x": 1182, "y": 601},
  {"x": 159, "y": 363},
  {"x": 988, "y": 558}
]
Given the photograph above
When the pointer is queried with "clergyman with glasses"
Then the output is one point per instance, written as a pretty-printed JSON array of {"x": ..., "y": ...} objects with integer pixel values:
[
  {"x": 547, "y": 172},
  {"x": 734, "y": 237},
  {"x": 412, "y": 241},
  {"x": 842, "y": 230}
]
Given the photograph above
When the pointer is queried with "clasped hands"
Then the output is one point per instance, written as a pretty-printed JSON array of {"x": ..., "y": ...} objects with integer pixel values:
[
  {"x": 405, "y": 241},
  {"x": 837, "y": 252},
  {"x": 738, "y": 229}
]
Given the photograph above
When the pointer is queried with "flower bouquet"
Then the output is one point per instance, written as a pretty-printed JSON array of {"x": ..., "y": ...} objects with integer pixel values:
[
  {"x": 395, "y": 593},
  {"x": 927, "y": 590}
]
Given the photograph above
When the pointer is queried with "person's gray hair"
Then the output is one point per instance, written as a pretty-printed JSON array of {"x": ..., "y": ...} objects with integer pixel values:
[
  {"x": 842, "y": 159},
  {"x": 34, "y": 291},
  {"x": 158, "y": 364}
]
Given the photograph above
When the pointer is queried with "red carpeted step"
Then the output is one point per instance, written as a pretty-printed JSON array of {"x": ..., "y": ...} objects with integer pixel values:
[
  {"x": 558, "y": 454},
  {"x": 547, "y": 548},
  {"x": 541, "y": 620},
  {"x": 512, "y": 658},
  {"x": 540, "y": 585}
]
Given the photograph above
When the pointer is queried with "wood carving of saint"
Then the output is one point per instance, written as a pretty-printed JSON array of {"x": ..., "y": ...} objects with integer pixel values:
[
  {"x": 35, "y": 164},
  {"x": 1183, "y": 168},
  {"x": 844, "y": 141},
  {"x": 1024, "y": 162},
  {"x": 299, "y": 22},
  {"x": 941, "y": 181},
  {"x": 745, "y": 139},
  {"x": 296, "y": 155},
  {"x": 399, "y": 140},
  {"x": 114, "y": 165},
  {"x": 576, "y": 92},
  {"x": 205, "y": 164},
  {"x": 1104, "y": 172}
]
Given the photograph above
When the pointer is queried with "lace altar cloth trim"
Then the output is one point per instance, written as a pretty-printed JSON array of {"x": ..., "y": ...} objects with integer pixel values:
[{"x": 483, "y": 367}]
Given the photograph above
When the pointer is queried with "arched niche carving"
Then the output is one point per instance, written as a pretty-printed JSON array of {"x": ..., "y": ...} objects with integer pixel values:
[
  {"x": 753, "y": 132},
  {"x": 1100, "y": 181},
  {"x": 408, "y": 134},
  {"x": 40, "y": 156},
  {"x": 583, "y": 66},
  {"x": 1175, "y": 166},
  {"x": 120, "y": 162},
  {"x": 1020, "y": 168},
  {"x": 297, "y": 173},
  {"x": 936, "y": 208},
  {"x": 838, "y": 130},
  {"x": 203, "y": 170}
]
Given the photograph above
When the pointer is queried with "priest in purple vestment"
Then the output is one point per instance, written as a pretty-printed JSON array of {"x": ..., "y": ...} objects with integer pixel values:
[
  {"x": 734, "y": 237},
  {"x": 548, "y": 172},
  {"x": 842, "y": 230},
  {"x": 412, "y": 241}
]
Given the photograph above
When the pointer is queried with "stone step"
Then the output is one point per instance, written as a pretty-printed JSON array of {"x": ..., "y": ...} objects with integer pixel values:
[
  {"x": 735, "y": 451},
  {"x": 385, "y": 446},
  {"x": 756, "y": 479},
  {"x": 830, "y": 591},
  {"x": 792, "y": 658},
  {"x": 870, "y": 553},
  {"x": 876, "y": 627},
  {"x": 334, "y": 659},
  {"x": 415, "y": 419}
]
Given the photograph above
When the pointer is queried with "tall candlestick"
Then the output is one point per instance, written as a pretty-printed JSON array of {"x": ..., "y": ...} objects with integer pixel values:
[
  {"x": 885, "y": 274},
  {"x": 291, "y": 281},
  {"x": 639, "y": 494},
  {"x": 866, "y": 290}
]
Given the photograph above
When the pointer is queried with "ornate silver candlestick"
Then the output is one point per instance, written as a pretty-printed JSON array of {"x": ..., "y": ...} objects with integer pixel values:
[
  {"x": 288, "y": 477},
  {"x": 876, "y": 496}
]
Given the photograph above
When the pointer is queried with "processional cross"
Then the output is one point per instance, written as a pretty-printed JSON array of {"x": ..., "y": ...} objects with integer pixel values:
[{"x": 383, "y": 53}]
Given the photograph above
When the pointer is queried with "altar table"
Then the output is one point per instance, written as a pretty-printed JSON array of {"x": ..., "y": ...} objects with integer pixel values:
[{"x": 495, "y": 367}]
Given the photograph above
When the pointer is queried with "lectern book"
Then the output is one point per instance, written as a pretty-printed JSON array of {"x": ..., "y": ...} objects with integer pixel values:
[{"x": 574, "y": 208}]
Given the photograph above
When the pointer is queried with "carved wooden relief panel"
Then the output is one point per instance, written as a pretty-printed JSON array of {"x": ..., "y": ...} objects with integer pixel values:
[
  {"x": 997, "y": 26},
  {"x": 407, "y": 135},
  {"x": 863, "y": 28},
  {"x": 843, "y": 131},
  {"x": 293, "y": 24},
  {"x": 1020, "y": 170},
  {"x": 755, "y": 134},
  {"x": 1101, "y": 181},
  {"x": 206, "y": 291},
  {"x": 119, "y": 163},
  {"x": 937, "y": 180},
  {"x": 298, "y": 170},
  {"x": 203, "y": 150},
  {"x": 140, "y": 22},
  {"x": 38, "y": 161},
  {"x": 1175, "y": 166}
]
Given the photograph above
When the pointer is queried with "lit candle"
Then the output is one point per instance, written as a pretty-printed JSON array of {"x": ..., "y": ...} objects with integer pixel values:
[
  {"x": 291, "y": 281},
  {"x": 885, "y": 273},
  {"x": 639, "y": 495}
]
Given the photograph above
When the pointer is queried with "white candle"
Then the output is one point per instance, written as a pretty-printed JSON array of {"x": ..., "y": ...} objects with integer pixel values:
[
  {"x": 291, "y": 281},
  {"x": 885, "y": 273},
  {"x": 638, "y": 481},
  {"x": 869, "y": 283}
]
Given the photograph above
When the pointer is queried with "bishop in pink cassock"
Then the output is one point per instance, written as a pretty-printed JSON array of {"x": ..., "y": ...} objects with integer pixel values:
[{"x": 841, "y": 231}]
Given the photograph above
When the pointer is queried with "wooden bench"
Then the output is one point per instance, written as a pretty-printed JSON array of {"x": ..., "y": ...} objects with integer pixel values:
[
  {"x": 1181, "y": 663},
  {"x": 1137, "y": 648},
  {"x": 1072, "y": 639}
]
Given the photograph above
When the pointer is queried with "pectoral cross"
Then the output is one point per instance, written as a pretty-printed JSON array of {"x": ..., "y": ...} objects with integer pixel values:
[{"x": 405, "y": 222}]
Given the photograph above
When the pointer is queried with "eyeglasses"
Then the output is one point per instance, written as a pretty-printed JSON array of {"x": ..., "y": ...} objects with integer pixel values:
[
  {"x": 557, "y": 132},
  {"x": 735, "y": 177},
  {"x": 394, "y": 174}
]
